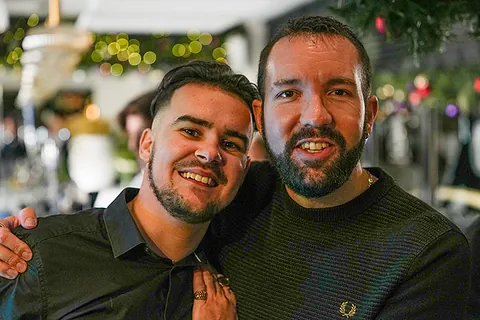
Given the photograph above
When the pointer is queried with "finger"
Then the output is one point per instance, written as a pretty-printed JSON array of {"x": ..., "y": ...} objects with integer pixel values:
[
  {"x": 198, "y": 283},
  {"x": 230, "y": 295},
  {"x": 10, "y": 222},
  {"x": 12, "y": 260},
  {"x": 209, "y": 283},
  {"x": 28, "y": 218},
  {"x": 10, "y": 241},
  {"x": 7, "y": 272}
]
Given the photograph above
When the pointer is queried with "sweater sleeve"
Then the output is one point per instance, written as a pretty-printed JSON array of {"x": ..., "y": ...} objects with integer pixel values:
[
  {"x": 437, "y": 284},
  {"x": 21, "y": 299}
]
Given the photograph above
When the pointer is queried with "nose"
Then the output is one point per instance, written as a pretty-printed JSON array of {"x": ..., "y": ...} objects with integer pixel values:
[
  {"x": 315, "y": 113},
  {"x": 208, "y": 153}
]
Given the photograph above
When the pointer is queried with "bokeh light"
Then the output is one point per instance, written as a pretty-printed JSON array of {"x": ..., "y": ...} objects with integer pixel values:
[
  {"x": 205, "y": 39},
  {"x": 116, "y": 69},
  {"x": 452, "y": 110},
  {"x": 149, "y": 57},
  {"x": 92, "y": 112}
]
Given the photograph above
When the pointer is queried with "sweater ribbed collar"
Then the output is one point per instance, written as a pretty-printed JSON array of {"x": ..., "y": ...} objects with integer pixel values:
[{"x": 355, "y": 206}]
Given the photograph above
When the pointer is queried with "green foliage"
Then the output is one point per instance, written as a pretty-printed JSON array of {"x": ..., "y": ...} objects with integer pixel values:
[{"x": 425, "y": 24}]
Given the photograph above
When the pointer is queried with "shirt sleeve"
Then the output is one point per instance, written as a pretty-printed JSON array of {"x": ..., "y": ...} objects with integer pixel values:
[
  {"x": 436, "y": 285},
  {"x": 21, "y": 298}
]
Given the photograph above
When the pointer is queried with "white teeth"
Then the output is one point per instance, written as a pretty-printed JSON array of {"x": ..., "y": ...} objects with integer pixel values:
[
  {"x": 314, "y": 147},
  {"x": 197, "y": 177}
]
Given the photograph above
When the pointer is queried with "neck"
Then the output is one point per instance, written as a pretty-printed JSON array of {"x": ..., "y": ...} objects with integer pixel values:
[
  {"x": 166, "y": 235},
  {"x": 356, "y": 184}
]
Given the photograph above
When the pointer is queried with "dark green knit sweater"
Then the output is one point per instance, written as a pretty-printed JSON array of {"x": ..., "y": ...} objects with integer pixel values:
[{"x": 384, "y": 255}]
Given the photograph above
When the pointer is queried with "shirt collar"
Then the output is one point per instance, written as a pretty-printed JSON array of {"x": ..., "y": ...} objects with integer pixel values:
[
  {"x": 121, "y": 228},
  {"x": 124, "y": 235}
]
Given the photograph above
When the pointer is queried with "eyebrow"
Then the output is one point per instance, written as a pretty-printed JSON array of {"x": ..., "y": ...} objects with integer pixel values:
[
  {"x": 209, "y": 125},
  {"x": 283, "y": 82},
  {"x": 330, "y": 82},
  {"x": 236, "y": 134},
  {"x": 341, "y": 80},
  {"x": 195, "y": 120}
]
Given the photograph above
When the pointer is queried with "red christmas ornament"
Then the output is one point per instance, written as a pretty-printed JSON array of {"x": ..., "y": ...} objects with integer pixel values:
[
  {"x": 424, "y": 92},
  {"x": 380, "y": 24},
  {"x": 476, "y": 85}
]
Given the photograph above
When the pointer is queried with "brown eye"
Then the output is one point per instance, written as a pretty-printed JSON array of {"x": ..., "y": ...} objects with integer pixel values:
[
  {"x": 191, "y": 132},
  {"x": 286, "y": 94}
]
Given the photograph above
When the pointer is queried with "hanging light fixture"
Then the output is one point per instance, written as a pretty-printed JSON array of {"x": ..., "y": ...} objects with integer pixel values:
[{"x": 51, "y": 53}]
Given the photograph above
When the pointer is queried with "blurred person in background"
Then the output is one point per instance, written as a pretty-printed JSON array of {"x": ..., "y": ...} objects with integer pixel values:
[{"x": 133, "y": 119}]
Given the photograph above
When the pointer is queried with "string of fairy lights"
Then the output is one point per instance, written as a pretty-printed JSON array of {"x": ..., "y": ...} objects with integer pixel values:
[{"x": 116, "y": 54}]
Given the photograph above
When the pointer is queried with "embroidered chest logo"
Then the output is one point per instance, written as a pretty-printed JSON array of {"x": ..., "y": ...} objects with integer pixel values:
[{"x": 347, "y": 309}]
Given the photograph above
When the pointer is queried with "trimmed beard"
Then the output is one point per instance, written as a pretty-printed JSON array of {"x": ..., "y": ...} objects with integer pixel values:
[
  {"x": 175, "y": 204},
  {"x": 297, "y": 177}
]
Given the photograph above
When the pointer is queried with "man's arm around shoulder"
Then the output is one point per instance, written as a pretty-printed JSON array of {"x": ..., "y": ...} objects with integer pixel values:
[{"x": 22, "y": 297}]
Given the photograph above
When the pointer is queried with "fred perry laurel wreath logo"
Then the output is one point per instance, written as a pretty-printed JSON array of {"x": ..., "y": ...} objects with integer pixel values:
[{"x": 347, "y": 309}]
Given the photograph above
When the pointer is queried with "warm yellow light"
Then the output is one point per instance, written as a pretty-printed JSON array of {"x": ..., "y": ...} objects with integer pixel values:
[
  {"x": 205, "y": 39},
  {"x": 96, "y": 56},
  {"x": 122, "y": 35},
  {"x": 133, "y": 48},
  {"x": 116, "y": 69},
  {"x": 105, "y": 69},
  {"x": 421, "y": 81},
  {"x": 222, "y": 60},
  {"x": 92, "y": 112},
  {"x": 149, "y": 57},
  {"x": 134, "y": 58},
  {"x": 123, "y": 55},
  {"x": 379, "y": 93},
  {"x": 178, "y": 50},
  {"x": 193, "y": 34},
  {"x": 388, "y": 90},
  {"x": 399, "y": 95},
  {"x": 33, "y": 20},
  {"x": 219, "y": 53},
  {"x": 19, "y": 34},
  {"x": 134, "y": 42},
  {"x": 187, "y": 53},
  {"x": 123, "y": 44},
  {"x": 113, "y": 48},
  {"x": 101, "y": 45},
  {"x": 195, "y": 47},
  {"x": 18, "y": 51}
]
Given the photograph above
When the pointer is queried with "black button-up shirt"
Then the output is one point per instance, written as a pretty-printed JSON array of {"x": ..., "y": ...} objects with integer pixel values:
[{"x": 96, "y": 265}]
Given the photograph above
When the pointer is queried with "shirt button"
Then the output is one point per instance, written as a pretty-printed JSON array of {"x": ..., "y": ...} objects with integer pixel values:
[{"x": 147, "y": 250}]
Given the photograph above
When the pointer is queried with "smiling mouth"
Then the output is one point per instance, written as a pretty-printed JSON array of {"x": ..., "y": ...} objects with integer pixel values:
[
  {"x": 201, "y": 179},
  {"x": 314, "y": 147}
]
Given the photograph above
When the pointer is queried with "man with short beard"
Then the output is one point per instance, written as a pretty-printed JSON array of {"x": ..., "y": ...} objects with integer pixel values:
[
  {"x": 322, "y": 237},
  {"x": 136, "y": 258}
]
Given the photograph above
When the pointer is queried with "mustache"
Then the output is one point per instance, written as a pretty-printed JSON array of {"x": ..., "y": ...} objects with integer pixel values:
[
  {"x": 315, "y": 132},
  {"x": 217, "y": 170}
]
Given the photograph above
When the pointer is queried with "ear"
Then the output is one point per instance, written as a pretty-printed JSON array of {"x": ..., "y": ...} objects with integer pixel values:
[
  {"x": 257, "y": 112},
  {"x": 371, "y": 114},
  {"x": 146, "y": 144}
]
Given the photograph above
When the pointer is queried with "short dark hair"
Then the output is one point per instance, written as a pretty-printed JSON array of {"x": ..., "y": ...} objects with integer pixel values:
[
  {"x": 139, "y": 105},
  {"x": 204, "y": 72},
  {"x": 316, "y": 25}
]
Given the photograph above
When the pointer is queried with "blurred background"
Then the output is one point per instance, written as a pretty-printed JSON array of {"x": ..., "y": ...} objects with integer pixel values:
[{"x": 69, "y": 69}]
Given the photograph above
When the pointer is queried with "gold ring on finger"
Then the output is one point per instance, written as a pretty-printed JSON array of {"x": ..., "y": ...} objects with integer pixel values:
[
  {"x": 223, "y": 281},
  {"x": 2, "y": 225},
  {"x": 200, "y": 295}
]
